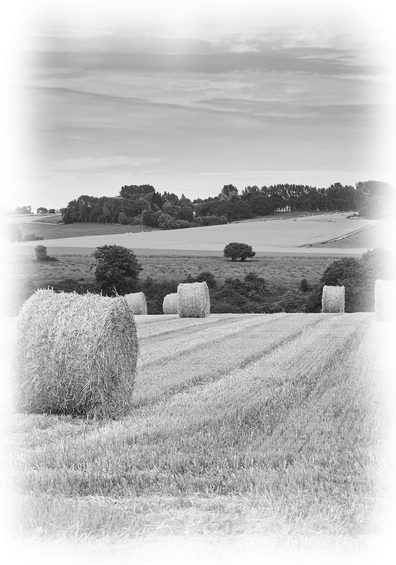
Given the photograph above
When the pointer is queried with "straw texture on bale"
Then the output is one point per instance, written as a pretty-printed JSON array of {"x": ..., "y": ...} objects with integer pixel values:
[
  {"x": 74, "y": 354},
  {"x": 193, "y": 300},
  {"x": 169, "y": 304},
  {"x": 385, "y": 301},
  {"x": 333, "y": 299},
  {"x": 137, "y": 302}
]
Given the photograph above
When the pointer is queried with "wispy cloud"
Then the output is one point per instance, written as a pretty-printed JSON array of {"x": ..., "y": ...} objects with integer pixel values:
[{"x": 112, "y": 106}]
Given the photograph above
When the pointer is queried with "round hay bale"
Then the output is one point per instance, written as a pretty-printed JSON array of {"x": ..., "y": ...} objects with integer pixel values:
[
  {"x": 193, "y": 300},
  {"x": 333, "y": 299},
  {"x": 137, "y": 303},
  {"x": 74, "y": 354},
  {"x": 169, "y": 304},
  {"x": 385, "y": 301}
]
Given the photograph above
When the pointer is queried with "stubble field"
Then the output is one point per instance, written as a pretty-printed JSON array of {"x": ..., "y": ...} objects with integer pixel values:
[{"x": 253, "y": 439}]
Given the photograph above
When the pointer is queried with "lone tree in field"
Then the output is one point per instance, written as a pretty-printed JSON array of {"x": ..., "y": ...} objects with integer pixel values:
[
  {"x": 117, "y": 269},
  {"x": 41, "y": 253},
  {"x": 12, "y": 232},
  {"x": 239, "y": 251}
]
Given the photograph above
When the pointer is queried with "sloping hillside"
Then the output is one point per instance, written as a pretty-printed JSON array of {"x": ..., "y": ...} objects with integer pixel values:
[
  {"x": 242, "y": 424},
  {"x": 262, "y": 235}
]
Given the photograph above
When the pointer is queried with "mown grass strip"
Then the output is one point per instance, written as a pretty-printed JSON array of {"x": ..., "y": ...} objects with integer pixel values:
[
  {"x": 168, "y": 324},
  {"x": 172, "y": 343},
  {"x": 173, "y": 371}
]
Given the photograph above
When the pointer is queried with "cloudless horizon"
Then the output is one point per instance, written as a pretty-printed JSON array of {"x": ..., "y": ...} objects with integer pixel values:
[{"x": 190, "y": 97}]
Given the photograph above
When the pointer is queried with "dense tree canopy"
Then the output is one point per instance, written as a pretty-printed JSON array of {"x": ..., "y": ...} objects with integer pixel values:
[
  {"x": 240, "y": 251},
  {"x": 135, "y": 203}
]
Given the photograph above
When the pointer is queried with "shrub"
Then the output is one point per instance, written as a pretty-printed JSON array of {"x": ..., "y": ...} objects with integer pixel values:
[
  {"x": 117, "y": 269},
  {"x": 358, "y": 276},
  {"x": 41, "y": 252},
  {"x": 32, "y": 237},
  {"x": 211, "y": 220},
  {"x": 204, "y": 276},
  {"x": 304, "y": 286},
  {"x": 75, "y": 355},
  {"x": 181, "y": 224},
  {"x": 239, "y": 251}
]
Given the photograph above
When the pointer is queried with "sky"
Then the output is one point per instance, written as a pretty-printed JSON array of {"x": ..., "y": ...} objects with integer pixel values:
[{"x": 190, "y": 96}]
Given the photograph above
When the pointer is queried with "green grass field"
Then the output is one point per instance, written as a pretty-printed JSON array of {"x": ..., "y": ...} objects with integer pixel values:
[
  {"x": 249, "y": 424},
  {"x": 17, "y": 269}
]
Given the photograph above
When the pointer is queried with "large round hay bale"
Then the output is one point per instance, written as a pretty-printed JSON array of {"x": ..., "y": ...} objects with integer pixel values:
[
  {"x": 385, "y": 301},
  {"x": 75, "y": 354},
  {"x": 137, "y": 302},
  {"x": 169, "y": 304},
  {"x": 333, "y": 299},
  {"x": 193, "y": 300}
]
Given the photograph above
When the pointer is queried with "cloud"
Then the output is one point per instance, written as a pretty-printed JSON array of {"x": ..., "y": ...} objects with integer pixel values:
[
  {"x": 101, "y": 162},
  {"x": 181, "y": 95}
]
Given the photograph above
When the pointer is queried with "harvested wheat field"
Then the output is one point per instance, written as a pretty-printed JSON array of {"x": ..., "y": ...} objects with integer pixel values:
[{"x": 241, "y": 426}]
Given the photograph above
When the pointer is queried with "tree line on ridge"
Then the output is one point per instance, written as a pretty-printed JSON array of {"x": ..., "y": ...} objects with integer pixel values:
[{"x": 143, "y": 205}]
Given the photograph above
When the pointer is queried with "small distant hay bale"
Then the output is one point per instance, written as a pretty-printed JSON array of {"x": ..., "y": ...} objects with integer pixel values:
[
  {"x": 385, "y": 301},
  {"x": 333, "y": 299},
  {"x": 169, "y": 304},
  {"x": 74, "y": 355},
  {"x": 193, "y": 300},
  {"x": 137, "y": 302}
]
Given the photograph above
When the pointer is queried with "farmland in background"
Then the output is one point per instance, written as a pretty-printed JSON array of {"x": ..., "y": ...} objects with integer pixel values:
[
  {"x": 282, "y": 233},
  {"x": 244, "y": 424},
  {"x": 381, "y": 235},
  {"x": 50, "y": 227}
]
